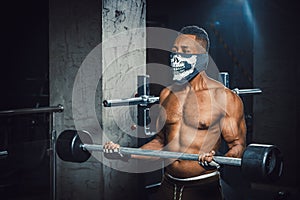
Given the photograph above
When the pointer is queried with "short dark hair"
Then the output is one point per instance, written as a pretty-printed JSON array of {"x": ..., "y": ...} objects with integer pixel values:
[{"x": 200, "y": 34}]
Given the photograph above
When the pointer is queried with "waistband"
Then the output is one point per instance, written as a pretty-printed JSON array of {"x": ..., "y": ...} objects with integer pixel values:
[{"x": 195, "y": 178}]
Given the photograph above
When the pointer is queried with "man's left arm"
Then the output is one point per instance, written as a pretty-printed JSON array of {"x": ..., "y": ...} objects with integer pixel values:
[{"x": 234, "y": 126}]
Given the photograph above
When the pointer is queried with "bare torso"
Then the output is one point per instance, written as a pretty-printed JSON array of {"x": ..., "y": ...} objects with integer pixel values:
[
  {"x": 194, "y": 115},
  {"x": 191, "y": 125}
]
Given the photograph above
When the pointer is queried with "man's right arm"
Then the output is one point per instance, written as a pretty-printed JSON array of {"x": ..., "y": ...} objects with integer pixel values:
[{"x": 157, "y": 143}]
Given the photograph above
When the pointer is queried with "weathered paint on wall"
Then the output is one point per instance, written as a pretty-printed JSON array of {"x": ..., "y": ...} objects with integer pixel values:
[
  {"x": 74, "y": 31},
  {"x": 84, "y": 72},
  {"x": 124, "y": 58}
]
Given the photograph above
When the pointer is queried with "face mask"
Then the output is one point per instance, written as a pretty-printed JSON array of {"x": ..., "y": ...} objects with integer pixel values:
[{"x": 187, "y": 66}]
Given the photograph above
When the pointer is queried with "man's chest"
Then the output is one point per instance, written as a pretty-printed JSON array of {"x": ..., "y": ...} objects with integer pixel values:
[{"x": 197, "y": 110}]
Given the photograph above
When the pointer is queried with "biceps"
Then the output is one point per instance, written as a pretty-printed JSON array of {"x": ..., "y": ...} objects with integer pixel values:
[{"x": 234, "y": 130}]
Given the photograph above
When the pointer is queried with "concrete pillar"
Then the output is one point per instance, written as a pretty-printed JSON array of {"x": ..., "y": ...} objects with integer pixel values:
[
  {"x": 74, "y": 31},
  {"x": 123, "y": 59},
  {"x": 84, "y": 72}
]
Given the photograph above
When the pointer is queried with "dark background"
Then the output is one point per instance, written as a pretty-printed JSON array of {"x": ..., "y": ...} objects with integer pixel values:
[
  {"x": 24, "y": 54},
  {"x": 257, "y": 43},
  {"x": 239, "y": 35},
  {"x": 25, "y": 173}
]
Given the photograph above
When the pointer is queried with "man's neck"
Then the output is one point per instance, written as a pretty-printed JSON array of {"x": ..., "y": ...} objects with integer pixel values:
[{"x": 199, "y": 82}]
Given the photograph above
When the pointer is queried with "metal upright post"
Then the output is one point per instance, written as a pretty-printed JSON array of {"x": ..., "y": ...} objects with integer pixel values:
[
  {"x": 52, "y": 135},
  {"x": 143, "y": 110},
  {"x": 224, "y": 76},
  {"x": 52, "y": 153},
  {"x": 143, "y": 128}
]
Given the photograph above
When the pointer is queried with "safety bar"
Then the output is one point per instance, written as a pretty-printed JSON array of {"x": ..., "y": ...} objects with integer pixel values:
[
  {"x": 146, "y": 100},
  {"x": 131, "y": 101},
  {"x": 51, "y": 109},
  {"x": 247, "y": 91},
  {"x": 3, "y": 154}
]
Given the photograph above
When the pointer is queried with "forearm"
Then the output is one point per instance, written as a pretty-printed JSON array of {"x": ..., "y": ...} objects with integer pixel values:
[
  {"x": 155, "y": 144},
  {"x": 236, "y": 150}
]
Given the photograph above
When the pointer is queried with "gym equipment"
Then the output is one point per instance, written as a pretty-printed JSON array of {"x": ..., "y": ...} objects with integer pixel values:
[
  {"x": 3, "y": 154},
  {"x": 51, "y": 109},
  {"x": 247, "y": 91},
  {"x": 260, "y": 162},
  {"x": 8, "y": 154},
  {"x": 147, "y": 100}
]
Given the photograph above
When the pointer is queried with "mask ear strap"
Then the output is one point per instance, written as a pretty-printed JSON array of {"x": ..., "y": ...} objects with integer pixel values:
[{"x": 202, "y": 62}]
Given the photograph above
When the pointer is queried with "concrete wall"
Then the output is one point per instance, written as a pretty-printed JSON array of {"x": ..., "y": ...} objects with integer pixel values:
[
  {"x": 84, "y": 72},
  {"x": 74, "y": 31},
  {"x": 124, "y": 58}
]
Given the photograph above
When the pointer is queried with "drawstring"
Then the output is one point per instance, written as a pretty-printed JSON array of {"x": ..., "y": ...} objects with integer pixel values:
[
  {"x": 175, "y": 192},
  {"x": 181, "y": 190}
]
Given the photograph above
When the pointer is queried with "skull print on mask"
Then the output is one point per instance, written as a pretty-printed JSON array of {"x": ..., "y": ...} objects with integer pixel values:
[{"x": 187, "y": 66}]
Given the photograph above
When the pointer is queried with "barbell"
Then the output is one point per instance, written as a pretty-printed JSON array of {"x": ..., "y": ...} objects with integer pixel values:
[
  {"x": 260, "y": 162},
  {"x": 148, "y": 100}
]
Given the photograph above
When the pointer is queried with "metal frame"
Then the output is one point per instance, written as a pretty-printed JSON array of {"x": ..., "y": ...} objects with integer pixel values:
[{"x": 52, "y": 135}]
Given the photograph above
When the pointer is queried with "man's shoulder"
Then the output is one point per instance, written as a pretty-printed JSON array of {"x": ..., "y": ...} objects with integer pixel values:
[
  {"x": 164, "y": 93},
  {"x": 223, "y": 94},
  {"x": 221, "y": 89}
]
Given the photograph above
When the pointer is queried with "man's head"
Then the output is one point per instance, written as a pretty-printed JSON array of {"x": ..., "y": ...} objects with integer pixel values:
[
  {"x": 200, "y": 34},
  {"x": 189, "y": 54}
]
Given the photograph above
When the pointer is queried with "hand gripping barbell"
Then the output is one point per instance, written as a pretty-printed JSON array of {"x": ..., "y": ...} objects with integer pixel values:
[{"x": 260, "y": 162}]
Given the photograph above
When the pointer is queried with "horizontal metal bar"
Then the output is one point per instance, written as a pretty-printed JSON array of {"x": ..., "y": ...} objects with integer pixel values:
[
  {"x": 247, "y": 91},
  {"x": 23, "y": 111},
  {"x": 145, "y": 100},
  {"x": 228, "y": 161},
  {"x": 131, "y": 101},
  {"x": 122, "y": 102},
  {"x": 166, "y": 154},
  {"x": 3, "y": 153}
]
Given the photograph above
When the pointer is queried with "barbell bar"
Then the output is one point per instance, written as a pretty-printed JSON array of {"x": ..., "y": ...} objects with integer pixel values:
[
  {"x": 22, "y": 111},
  {"x": 164, "y": 154},
  {"x": 247, "y": 91},
  {"x": 260, "y": 162},
  {"x": 146, "y": 99}
]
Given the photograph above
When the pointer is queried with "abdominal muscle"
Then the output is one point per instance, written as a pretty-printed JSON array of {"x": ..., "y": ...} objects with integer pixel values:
[
  {"x": 191, "y": 126},
  {"x": 187, "y": 140}
]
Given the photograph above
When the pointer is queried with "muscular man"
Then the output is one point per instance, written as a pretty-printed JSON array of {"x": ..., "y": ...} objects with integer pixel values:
[{"x": 195, "y": 112}]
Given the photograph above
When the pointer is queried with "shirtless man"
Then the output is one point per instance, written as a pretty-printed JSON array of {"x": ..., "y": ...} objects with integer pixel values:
[{"x": 195, "y": 111}]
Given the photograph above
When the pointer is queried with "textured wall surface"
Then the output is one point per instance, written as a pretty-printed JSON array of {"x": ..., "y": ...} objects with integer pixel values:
[
  {"x": 84, "y": 72},
  {"x": 123, "y": 51},
  {"x": 74, "y": 31}
]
